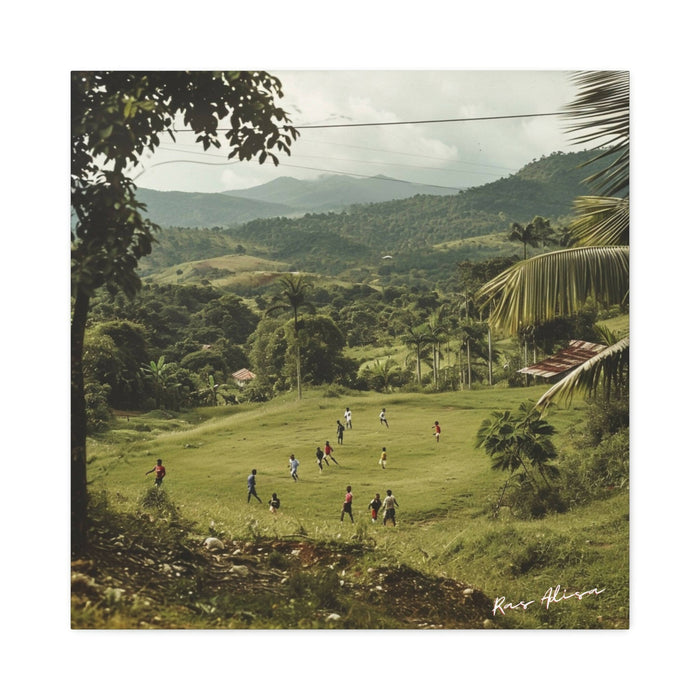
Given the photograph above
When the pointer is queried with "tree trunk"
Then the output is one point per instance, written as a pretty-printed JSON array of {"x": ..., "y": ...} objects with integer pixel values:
[
  {"x": 79, "y": 497},
  {"x": 490, "y": 358},
  {"x": 469, "y": 365},
  {"x": 296, "y": 340}
]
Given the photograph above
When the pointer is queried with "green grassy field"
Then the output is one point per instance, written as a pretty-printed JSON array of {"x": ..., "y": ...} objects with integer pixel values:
[{"x": 446, "y": 492}]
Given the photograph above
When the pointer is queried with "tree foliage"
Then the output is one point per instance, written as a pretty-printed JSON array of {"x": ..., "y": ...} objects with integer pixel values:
[{"x": 117, "y": 116}]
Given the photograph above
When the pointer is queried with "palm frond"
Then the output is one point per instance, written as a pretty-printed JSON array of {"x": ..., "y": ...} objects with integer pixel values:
[
  {"x": 604, "y": 367},
  {"x": 601, "y": 111},
  {"x": 556, "y": 284},
  {"x": 600, "y": 221}
]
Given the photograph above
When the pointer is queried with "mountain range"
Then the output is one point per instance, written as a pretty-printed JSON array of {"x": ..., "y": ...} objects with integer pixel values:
[{"x": 283, "y": 196}]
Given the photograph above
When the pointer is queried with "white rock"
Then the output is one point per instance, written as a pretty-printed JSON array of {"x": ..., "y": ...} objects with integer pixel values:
[{"x": 213, "y": 543}]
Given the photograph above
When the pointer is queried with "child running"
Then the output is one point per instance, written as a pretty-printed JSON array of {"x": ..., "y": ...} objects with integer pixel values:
[
  {"x": 347, "y": 505},
  {"x": 348, "y": 418},
  {"x": 293, "y": 466},
  {"x": 319, "y": 458},
  {"x": 328, "y": 452},
  {"x": 436, "y": 431},
  {"x": 374, "y": 505},
  {"x": 382, "y": 459},
  {"x": 159, "y": 469},
  {"x": 274, "y": 503},
  {"x": 382, "y": 417}
]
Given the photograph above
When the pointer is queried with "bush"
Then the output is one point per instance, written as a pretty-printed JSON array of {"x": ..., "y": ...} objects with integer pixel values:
[
  {"x": 256, "y": 391},
  {"x": 588, "y": 472},
  {"x": 605, "y": 417},
  {"x": 97, "y": 407},
  {"x": 536, "y": 503},
  {"x": 597, "y": 459}
]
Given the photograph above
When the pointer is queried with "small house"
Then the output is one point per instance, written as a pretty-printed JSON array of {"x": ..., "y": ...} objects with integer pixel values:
[{"x": 242, "y": 376}]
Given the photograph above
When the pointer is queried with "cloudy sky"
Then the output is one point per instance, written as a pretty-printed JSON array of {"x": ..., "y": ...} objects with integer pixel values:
[{"x": 455, "y": 155}]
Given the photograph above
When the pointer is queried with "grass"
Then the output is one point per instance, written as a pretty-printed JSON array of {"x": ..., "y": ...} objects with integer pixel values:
[{"x": 446, "y": 492}]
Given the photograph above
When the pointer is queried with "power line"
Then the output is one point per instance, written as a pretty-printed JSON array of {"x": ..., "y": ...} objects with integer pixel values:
[
  {"x": 433, "y": 121},
  {"x": 418, "y": 121}
]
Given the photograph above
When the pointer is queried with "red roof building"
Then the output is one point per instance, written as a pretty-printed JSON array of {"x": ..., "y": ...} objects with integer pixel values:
[
  {"x": 242, "y": 376},
  {"x": 578, "y": 352}
]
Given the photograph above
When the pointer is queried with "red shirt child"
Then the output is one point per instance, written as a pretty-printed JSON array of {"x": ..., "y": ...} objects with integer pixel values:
[{"x": 159, "y": 469}]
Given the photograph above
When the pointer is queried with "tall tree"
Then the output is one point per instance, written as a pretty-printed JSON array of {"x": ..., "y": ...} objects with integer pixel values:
[
  {"x": 437, "y": 330},
  {"x": 472, "y": 343},
  {"x": 418, "y": 339},
  {"x": 538, "y": 232},
  {"x": 293, "y": 297},
  {"x": 115, "y": 117}
]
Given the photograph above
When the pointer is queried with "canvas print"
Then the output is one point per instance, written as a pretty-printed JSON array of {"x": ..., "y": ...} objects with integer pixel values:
[{"x": 350, "y": 350}]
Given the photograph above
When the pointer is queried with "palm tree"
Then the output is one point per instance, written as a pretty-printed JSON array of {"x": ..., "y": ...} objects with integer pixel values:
[
  {"x": 417, "y": 338},
  {"x": 473, "y": 344},
  {"x": 384, "y": 375},
  {"x": 538, "y": 232},
  {"x": 437, "y": 332},
  {"x": 596, "y": 267},
  {"x": 293, "y": 298}
]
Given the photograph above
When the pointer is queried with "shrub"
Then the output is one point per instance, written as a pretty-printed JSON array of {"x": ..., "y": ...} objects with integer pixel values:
[
  {"x": 587, "y": 472},
  {"x": 97, "y": 407}
]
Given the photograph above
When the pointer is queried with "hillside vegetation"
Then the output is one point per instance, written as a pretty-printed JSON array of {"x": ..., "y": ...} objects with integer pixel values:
[{"x": 430, "y": 233}]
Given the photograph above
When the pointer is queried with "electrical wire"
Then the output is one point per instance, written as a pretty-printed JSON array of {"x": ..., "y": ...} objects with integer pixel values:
[{"x": 418, "y": 121}]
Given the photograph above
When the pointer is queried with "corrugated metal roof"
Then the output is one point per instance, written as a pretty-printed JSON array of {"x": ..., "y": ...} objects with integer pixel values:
[
  {"x": 243, "y": 375},
  {"x": 565, "y": 360}
]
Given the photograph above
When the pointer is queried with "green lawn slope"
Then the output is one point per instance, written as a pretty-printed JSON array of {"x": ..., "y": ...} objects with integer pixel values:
[{"x": 446, "y": 492}]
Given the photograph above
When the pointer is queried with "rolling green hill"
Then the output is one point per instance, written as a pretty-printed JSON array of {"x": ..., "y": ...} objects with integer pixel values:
[
  {"x": 424, "y": 232},
  {"x": 446, "y": 529}
]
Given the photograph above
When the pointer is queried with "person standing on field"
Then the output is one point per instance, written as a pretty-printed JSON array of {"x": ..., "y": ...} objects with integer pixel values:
[
  {"x": 274, "y": 503},
  {"x": 251, "y": 486},
  {"x": 382, "y": 458},
  {"x": 347, "y": 505},
  {"x": 390, "y": 505},
  {"x": 293, "y": 466},
  {"x": 159, "y": 469},
  {"x": 382, "y": 418},
  {"x": 340, "y": 430},
  {"x": 436, "y": 431},
  {"x": 348, "y": 418},
  {"x": 319, "y": 458}
]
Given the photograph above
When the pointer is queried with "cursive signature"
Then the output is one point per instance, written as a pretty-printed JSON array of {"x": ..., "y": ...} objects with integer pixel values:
[{"x": 552, "y": 595}]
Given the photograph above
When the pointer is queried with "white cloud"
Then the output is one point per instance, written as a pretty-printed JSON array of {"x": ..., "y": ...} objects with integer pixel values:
[{"x": 458, "y": 154}]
